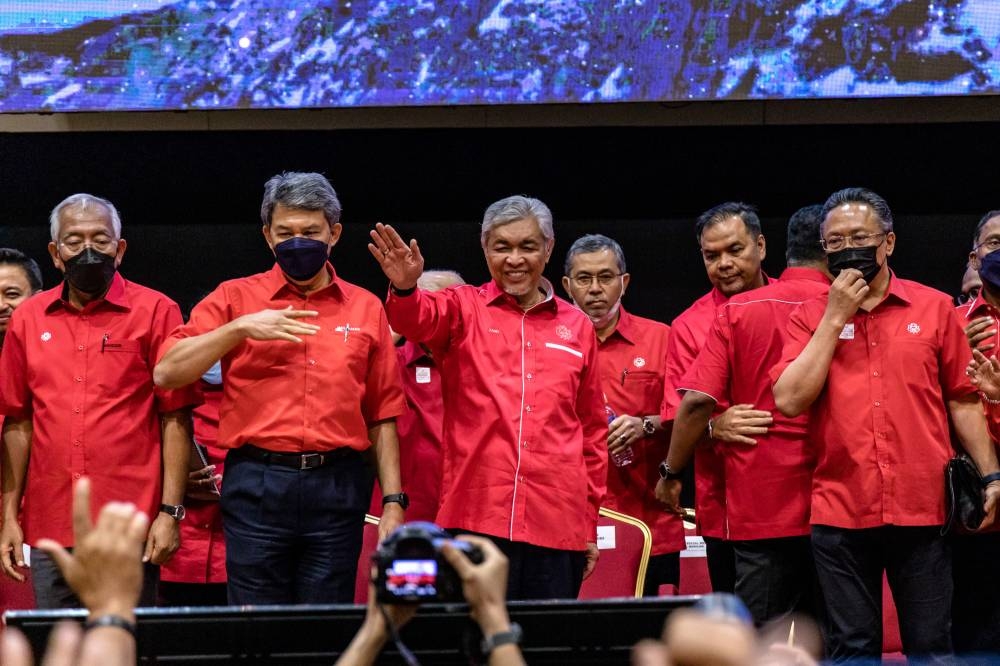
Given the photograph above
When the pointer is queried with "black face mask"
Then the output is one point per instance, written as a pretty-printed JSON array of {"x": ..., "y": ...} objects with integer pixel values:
[
  {"x": 90, "y": 271},
  {"x": 861, "y": 258},
  {"x": 301, "y": 258}
]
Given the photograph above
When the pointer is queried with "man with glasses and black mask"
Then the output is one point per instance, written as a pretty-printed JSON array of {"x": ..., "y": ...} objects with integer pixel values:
[
  {"x": 76, "y": 388},
  {"x": 631, "y": 353},
  {"x": 310, "y": 389},
  {"x": 882, "y": 363}
]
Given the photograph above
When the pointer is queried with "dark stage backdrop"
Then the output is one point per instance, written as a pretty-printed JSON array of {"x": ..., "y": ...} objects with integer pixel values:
[{"x": 190, "y": 201}]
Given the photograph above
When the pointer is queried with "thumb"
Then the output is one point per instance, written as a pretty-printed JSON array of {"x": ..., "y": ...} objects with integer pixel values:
[
  {"x": 150, "y": 545},
  {"x": 59, "y": 555},
  {"x": 457, "y": 560}
]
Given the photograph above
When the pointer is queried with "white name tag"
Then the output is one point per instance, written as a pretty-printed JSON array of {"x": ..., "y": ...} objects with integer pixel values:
[
  {"x": 694, "y": 546},
  {"x": 848, "y": 332},
  {"x": 605, "y": 537},
  {"x": 423, "y": 375}
]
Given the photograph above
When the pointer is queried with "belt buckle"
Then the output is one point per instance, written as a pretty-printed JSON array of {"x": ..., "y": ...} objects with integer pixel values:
[{"x": 311, "y": 460}]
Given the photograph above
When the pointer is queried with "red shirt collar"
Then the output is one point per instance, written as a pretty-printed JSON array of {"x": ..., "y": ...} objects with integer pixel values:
[
  {"x": 896, "y": 290},
  {"x": 625, "y": 327},
  {"x": 279, "y": 284},
  {"x": 979, "y": 303},
  {"x": 115, "y": 296},
  {"x": 494, "y": 292},
  {"x": 803, "y": 273}
]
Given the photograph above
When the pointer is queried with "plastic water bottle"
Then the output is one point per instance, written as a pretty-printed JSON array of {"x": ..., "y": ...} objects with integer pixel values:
[{"x": 626, "y": 456}]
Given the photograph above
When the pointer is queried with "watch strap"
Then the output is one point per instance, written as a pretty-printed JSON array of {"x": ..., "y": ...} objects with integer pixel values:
[
  {"x": 401, "y": 292},
  {"x": 990, "y": 478},
  {"x": 512, "y": 636},
  {"x": 110, "y": 621},
  {"x": 401, "y": 499},
  {"x": 175, "y": 511}
]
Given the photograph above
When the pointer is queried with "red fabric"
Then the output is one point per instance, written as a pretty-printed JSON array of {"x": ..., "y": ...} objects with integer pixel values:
[
  {"x": 632, "y": 363},
  {"x": 617, "y": 571},
  {"x": 85, "y": 377},
  {"x": 687, "y": 336},
  {"x": 768, "y": 485},
  {"x": 525, "y": 451},
  {"x": 202, "y": 555},
  {"x": 420, "y": 430},
  {"x": 315, "y": 396},
  {"x": 973, "y": 310},
  {"x": 881, "y": 425}
]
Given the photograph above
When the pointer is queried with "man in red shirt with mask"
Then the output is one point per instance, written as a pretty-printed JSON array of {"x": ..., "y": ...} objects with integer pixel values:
[
  {"x": 309, "y": 384},
  {"x": 524, "y": 442},
  {"x": 631, "y": 353},
  {"x": 732, "y": 247},
  {"x": 95, "y": 412},
  {"x": 881, "y": 362}
]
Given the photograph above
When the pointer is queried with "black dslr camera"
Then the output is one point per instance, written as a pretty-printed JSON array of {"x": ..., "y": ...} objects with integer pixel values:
[{"x": 411, "y": 568}]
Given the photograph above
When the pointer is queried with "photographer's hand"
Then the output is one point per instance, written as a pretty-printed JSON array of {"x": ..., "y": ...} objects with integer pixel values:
[{"x": 373, "y": 634}]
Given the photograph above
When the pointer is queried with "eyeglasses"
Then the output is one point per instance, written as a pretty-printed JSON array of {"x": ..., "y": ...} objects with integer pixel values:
[
  {"x": 834, "y": 243},
  {"x": 991, "y": 244},
  {"x": 584, "y": 280},
  {"x": 77, "y": 245}
]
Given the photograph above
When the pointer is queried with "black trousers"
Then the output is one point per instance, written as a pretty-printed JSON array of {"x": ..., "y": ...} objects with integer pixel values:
[
  {"x": 976, "y": 605},
  {"x": 662, "y": 570},
  {"x": 537, "y": 572},
  {"x": 721, "y": 564},
  {"x": 53, "y": 592},
  {"x": 775, "y": 577},
  {"x": 849, "y": 565}
]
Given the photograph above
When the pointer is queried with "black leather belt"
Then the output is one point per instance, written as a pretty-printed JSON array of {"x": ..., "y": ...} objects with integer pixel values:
[{"x": 306, "y": 460}]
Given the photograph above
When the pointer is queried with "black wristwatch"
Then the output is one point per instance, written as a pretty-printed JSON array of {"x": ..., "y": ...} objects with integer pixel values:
[
  {"x": 668, "y": 474},
  {"x": 491, "y": 643},
  {"x": 402, "y": 499},
  {"x": 175, "y": 511},
  {"x": 648, "y": 428}
]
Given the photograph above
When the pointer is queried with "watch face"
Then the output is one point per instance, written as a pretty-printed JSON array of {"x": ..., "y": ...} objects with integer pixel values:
[{"x": 648, "y": 427}]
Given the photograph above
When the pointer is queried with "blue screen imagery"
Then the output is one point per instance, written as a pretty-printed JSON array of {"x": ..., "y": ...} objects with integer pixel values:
[{"x": 111, "y": 55}]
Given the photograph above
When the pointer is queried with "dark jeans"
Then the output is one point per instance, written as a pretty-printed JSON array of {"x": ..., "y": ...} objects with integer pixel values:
[
  {"x": 721, "y": 564},
  {"x": 775, "y": 577},
  {"x": 53, "y": 592},
  {"x": 537, "y": 572},
  {"x": 976, "y": 606},
  {"x": 849, "y": 565},
  {"x": 293, "y": 536},
  {"x": 193, "y": 594},
  {"x": 662, "y": 570}
]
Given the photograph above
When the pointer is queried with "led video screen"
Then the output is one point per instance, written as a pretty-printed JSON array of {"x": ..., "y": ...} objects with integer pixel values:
[{"x": 77, "y": 55}]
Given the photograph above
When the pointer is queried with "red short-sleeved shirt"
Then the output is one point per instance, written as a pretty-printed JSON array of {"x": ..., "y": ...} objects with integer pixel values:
[
  {"x": 973, "y": 310},
  {"x": 768, "y": 486},
  {"x": 420, "y": 430},
  {"x": 319, "y": 395},
  {"x": 85, "y": 378},
  {"x": 632, "y": 363},
  {"x": 880, "y": 426},
  {"x": 687, "y": 336},
  {"x": 525, "y": 435},
  {"x": 202, "y": 555}
]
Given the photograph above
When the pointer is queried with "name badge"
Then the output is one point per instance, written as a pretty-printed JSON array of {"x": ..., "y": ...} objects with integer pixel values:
[
  {"x": 848, "y": 332},
  {"x": 423, "y": 375}
]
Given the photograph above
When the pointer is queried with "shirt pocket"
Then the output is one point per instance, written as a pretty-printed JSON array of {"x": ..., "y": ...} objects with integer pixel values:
[
  {"x": 561, "y": 368},
  {"x": 123, "y": 365}
]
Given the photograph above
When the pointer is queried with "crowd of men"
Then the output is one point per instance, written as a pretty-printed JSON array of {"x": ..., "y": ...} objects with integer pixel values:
[{"x": 818, "y": 410}]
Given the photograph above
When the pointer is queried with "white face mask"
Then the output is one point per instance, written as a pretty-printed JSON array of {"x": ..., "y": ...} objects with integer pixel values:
[{"x": 602, "y": 321}]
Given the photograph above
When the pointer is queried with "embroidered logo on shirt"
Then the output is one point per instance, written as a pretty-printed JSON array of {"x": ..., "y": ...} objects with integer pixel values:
[
  {"x": 495, "y": 330},
  {"x": 639, "y": 362},
  {"x": 563, "y": 332},
  {"x": 848, "y": 332},
  {"x": 347, "y": 329},
  {"x": 913, "y": 328},
  {"x": 46, "y": 336},
  {"x": 423, "y": 375}
]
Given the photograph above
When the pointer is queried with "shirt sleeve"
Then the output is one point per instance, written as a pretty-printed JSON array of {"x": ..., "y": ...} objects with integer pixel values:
[
  {"x": 383, "y": 390},
  {"x": 681, "y": 353},
  {"x": 954, "y": 356},
  {"x": 212, "y": 312},
  {"x": 710, "y": 372},
  {"x": 424, "y": 316},
  {"x": 594, "y": 422},
  {"x": 15, "y": 397},
  {"x": 167, "y": 318}
]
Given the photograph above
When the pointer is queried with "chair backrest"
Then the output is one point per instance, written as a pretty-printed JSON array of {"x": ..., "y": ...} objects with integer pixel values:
[
  {"x": 625, "y": 543},
  {"x": 368, "y": 545}
]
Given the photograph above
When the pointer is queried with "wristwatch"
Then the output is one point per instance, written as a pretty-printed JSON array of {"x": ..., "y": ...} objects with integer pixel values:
[
  {"x": 668, "y": 474},
  {"x": 647, "y": 426},
  {"x": 175, "y": 511},
  {"x": 491, "y": 643},
  {"x": 402, "y": 499}
]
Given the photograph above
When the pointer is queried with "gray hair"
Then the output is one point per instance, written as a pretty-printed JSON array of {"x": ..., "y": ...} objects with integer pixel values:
[
  {"x": 304, "y": 191},
  {"x": 83, "y": 201},
  {"x": 436, "y": 280},
  {"x": 515, "y": 209},
  {"x": 594, "y": 243},
  {"x": 861, "y": 195}
]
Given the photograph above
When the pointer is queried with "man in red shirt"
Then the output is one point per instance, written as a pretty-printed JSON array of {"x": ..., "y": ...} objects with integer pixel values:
[
  {"x": 525, "y": 458},
  {"x": 732, "y": 247},
  {"x": 881, "y": 361},
  {"x": 95, "y": 412},
  {"x": 309, "y": 384},
  {"x": 769, "y": 471},
  {"x": 631, "y": 354}
]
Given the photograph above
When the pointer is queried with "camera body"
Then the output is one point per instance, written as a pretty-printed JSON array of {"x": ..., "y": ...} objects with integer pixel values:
[{"x": 411, "y": 569}]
